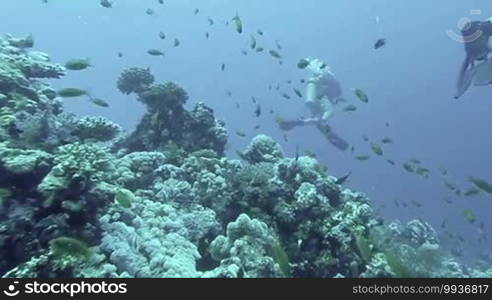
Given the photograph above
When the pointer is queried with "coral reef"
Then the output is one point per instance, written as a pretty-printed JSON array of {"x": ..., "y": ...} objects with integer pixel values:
[
  {"x": 167, "y": 121},
  {"x": 164, "y": 201}
]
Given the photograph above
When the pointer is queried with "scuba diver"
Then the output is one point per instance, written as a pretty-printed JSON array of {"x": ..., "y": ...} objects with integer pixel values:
[
  {"x": 323, "y": 91},
  {"x": 476, "y": 38}
]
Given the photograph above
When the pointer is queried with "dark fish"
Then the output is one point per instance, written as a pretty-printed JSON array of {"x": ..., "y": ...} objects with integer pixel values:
[
  {"x": 149, "y": 11},
  {"x": 303, "y": 63},
  {"x": 176, "y": 42},
  {"x": 161, "y": 1},
  {"x": 120, "y": 54},
  {"x": 297, "y": 92},
  {"x": 285, "y": 95},
  {"x": 260, "y": 32},
  {"x": 240, "y": 133},
  {"x": 342, "y": 180},
  {"x": 253, "y": 99},
  {"x": 207, "y": 35},
  {"x": 257, "y": 127},
  {"x": 71, "y": 92},
  {"x": 77, "y": 64},
  {"x": 258, "y": 111},
  {"x": 106, "y": 3},
  {"x": 196, "y": 11},
  {"x": 155, "y": 52},
  {"x": 222, "y": 67},
  {"x": 162, "y": 35},
  {"x": 99, "y": 102},
  {"x": 211, "y": 21},
  {"x": 380, "y": 43}
]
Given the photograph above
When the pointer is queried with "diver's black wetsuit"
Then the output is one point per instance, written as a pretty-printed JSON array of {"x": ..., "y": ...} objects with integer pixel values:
[
  {"x": 476, "y": 37},
  {"x": 476, "y": 41}
]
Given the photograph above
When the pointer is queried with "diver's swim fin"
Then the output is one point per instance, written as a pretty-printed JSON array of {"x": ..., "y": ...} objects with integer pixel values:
[
  {"x": 484, "y": 74},
  {"x": 465, "y": 78},
  {"x": 287, "y": 125},
  {"x": 333, "y": 138}
]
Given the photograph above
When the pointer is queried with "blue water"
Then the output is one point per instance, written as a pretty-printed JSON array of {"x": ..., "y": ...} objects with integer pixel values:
[{"x": 410, "y": 82}]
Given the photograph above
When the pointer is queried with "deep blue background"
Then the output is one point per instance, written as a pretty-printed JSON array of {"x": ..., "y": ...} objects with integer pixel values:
[{"x": 410, "y": 82}]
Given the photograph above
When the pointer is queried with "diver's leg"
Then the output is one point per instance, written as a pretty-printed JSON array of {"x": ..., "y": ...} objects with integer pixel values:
[{"x": 332, "y": 137}]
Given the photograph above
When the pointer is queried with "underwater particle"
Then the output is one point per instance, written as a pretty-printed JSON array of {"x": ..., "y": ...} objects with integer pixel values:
[
  {"x": 415, "y": 203},
  {"x": 253, "y": 99},
  {"x": 260, "y": 49},
  {"x": 222, "y": 67},
  {"x": 260, "y": 32},
  {"x": 106, "y": 3},
  {"x": 258, "y": 111},
  {"x": 286, "y": 139},
  {"x": 365, "y": 138},
  {"x": 277, "y": 44},
  {"x": 468, "y": 215},
  {"x": 297, "y": 92},
  {"x": 176, "y": 42},
  {"x": 257, "y": 127},
  {"x": 155, "y": 52},
  {"x": 391, "y": 162},
  {"x": 77, "y": 64},
  {"x": 253, "y": 42},
  {"x": 481, "y": 184},
  {"x": 376, "y": 148},
  {"x": 124, "y": 197},
  {"x": 99, "y": 102},
  {"x": 244, "y": 52},
  {"x": 443, "y": 171},
  {"x": 162, "y": 35},
  {"x": 303, "y": 63},
  {"x": 379, "y": 43},
  {"x": 450, "y": 186},
  {"x": 149, "y": 11},
  {"x": 361, "y": 95},
  {"x": 210, "y": 21},
  {"x": 71, "y": 92},
  {"x": 386, "y": 141},
  {"x": 285, "y": 95},
  {"x": 238, "y": 24},
  {"x": 67, "y": 246},
  {"x": 415, "y": 161},
  {"x": 350, "y": 108},
  {"x": 362, "y": 157},
  {"x": 408, "y": 167},
  {"x": 275, "y": 54},
  {"x": 472, "y": 191},
  {"x": 240, "y": 133}
]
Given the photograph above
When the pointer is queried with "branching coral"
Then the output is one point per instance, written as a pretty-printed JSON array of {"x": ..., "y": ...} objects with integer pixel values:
[{"x": 134, "y": 80}]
